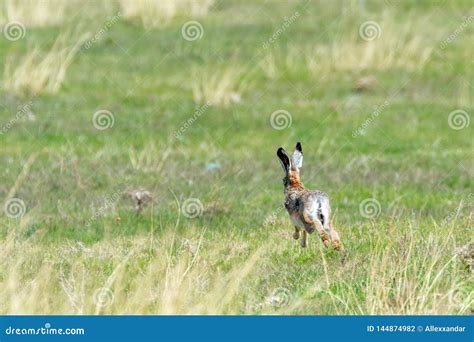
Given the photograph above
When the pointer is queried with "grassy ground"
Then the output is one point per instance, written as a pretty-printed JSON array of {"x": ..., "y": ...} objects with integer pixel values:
[{"x": 190, "y": 121}]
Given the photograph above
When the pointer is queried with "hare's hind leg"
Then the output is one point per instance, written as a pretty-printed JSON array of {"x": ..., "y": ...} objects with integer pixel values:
[
  {"x": 296, "y": 234},
  {"x": 304, "y": 240},
  {"x": 324, "y": 216},
  {"x": 311, "y": 225},
  {"x": 336, "y": 241}
]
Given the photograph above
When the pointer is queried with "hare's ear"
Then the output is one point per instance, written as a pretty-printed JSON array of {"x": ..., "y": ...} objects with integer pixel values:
[
  {"x": 284, "y": 160},
  {"x": 297, "y": 157}
]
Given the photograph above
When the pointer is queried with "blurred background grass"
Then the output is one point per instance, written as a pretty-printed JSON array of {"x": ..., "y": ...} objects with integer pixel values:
[{"x": 372, "y": 115}]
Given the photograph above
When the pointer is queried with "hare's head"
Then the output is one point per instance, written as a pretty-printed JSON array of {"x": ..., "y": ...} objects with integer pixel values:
[{"x": 291, "y": 166}]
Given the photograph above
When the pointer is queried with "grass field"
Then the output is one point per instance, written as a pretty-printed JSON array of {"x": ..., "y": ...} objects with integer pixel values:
[{"x": 187, "y": 102}]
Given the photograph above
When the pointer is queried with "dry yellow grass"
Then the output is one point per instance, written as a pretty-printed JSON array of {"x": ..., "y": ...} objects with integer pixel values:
[
  {"x": 142, "y": 275},
  {"x": 36, "y": 73},
  {"x": 194, "y": 274},
  {"x": 148, "y": 159},
  {"x": 154, "y": 13},
  {"x": 390, "y": 46},
  {"x": 33, "y": 13},
  {"x": 409, "y": 278},
  {"x": 220, "y": 87}
]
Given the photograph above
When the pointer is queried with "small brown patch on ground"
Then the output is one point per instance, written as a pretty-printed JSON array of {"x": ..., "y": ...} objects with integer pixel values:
[
  {"x": 215, "y": 208},
  {"x": 141, "y": 199},
  {"x": 466, "y": 253},
  {"x": 366, "y": 83}
]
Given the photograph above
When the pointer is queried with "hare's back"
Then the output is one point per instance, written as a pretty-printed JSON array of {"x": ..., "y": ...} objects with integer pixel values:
[{"x": 317, "y": 205}]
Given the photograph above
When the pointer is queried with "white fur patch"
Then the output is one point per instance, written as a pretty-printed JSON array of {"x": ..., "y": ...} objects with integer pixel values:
[{"x": 296, "y": 160}]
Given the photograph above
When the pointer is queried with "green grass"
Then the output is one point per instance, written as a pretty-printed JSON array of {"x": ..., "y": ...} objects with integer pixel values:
[{"x": 238, "y": 256}]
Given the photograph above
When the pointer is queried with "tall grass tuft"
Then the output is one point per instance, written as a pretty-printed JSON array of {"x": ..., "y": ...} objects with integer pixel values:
[
  {"x": 406, "y": 46},
  {"x": 199, "y": 273},
  {"x": 220, "y": 87},
  {"x": 155, "y": 13},
  {"x": 33, "y": 13},
  {"x": 141, "y": 275},
  {"x": 36, "y": 73},
  {"x": 409, "y": 277}
]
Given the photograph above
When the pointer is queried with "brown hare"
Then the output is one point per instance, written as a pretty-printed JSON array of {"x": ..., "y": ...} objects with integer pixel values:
[{"x": 309, "y": 210}]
